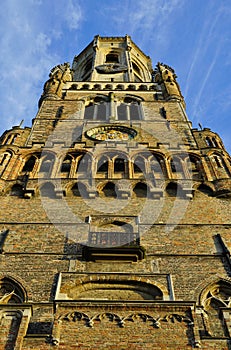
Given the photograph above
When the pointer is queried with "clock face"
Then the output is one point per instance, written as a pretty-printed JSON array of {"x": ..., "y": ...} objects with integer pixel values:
[
  {"x": 111, "y": 133},
  {"x": 111, "y": 68}
]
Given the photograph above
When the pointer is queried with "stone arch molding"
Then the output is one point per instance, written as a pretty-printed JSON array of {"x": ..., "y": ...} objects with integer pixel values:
[
  {"x": 11, "y": 290},
  {"x": 113, "y": 288},
  {"x": 219, "y": 291}
]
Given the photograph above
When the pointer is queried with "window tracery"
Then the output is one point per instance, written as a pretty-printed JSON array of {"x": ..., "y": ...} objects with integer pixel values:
[{"x": 10, "y": 291}]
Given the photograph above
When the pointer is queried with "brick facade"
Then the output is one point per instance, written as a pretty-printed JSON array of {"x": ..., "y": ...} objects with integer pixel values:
[{"x": 115, "y": 222}]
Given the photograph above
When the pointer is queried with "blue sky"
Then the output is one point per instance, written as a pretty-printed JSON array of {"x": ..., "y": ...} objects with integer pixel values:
[{"x": 192, "y": 36}]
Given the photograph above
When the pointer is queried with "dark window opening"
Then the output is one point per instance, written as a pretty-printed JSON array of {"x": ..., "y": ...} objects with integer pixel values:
[
  {"x": 103, "y": 165},
  {"x": 134, "y": 112},
  {"x": 139, "y": 165},
  {"x": 47, "y": 164},
  {"x": 101, "y": 111},
  {"x": 136, "y": 68},
  {"x": 112, "y": 58},
  {"x": 218, "y": 161},
  {"x": 3, "y": 159},
  {"x": 66, "y": 165},
  {"x": 87, "y": 68},
  {"x": 171, "y": 189},
  {"x": 109, "y": 190},
  {"x": 29, "y": 165},
  {"x": 141, "y": 190},
  {"x": 83, "y": 164},
  {"x": 119, "y": 165},
  {"x": 17, "y": 191},
  {"x": 209, "y": 142},
  {"x": 122, "y": 112},
  {"x": 89, "y": 112},
  {"x": 79, "y": 190}
]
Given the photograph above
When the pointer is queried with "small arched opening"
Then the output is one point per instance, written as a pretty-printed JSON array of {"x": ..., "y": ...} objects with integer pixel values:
[
  {"x": 140, "y": 190},
  {"x": 109, "y": 190}
]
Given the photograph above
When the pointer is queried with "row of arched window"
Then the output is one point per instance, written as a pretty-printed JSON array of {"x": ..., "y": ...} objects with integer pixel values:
[
  {"x": 118, "y": 165},
  {"x": 112, "y": 165},
  {"x": 100, "y": 109}
]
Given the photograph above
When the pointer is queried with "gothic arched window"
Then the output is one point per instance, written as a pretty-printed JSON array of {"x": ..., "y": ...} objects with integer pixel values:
[
  {"x": 30, "y": 163},
  {"x": 11, "y": 292},
  {"x": 176, "y": 167},
  {"x": 102, "y": 166},
  {"x": 194, "y": 167},
  {"x": 4, "y": 161},
  {"x": 139, "y": 165},
  {"x": 97, "y": 109},
  {"x": 66, "y": 164},
  {"x": 47, "y": 163},
  {"x": 129, "y": 109},
  {"x": 112, "y": 58}
]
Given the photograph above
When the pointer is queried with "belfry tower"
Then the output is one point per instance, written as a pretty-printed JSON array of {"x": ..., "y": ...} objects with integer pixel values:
[{"x": 115, "y": 213}]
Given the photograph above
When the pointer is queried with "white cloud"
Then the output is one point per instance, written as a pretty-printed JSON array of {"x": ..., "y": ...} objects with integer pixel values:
[{"x": 28, "y": 31}]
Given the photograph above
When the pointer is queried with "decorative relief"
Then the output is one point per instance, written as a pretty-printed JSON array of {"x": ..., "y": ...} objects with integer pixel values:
[
  {"x": 111, "y": 133},
  {"x": 155, "y": 322}
]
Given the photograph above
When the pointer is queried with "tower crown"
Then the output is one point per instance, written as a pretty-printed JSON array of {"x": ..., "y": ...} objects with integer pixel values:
[{"x": 112, "y": 59}]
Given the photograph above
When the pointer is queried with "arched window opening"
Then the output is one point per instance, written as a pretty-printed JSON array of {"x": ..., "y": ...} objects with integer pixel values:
[
  {"x": 171, "y": 189},
  {"x": 122, "y": 111},
  {"x": 47, "y": 164},
  {"x": 221, "y": 168},
  {"x": 6, "y": 157},
  {"x": 109, "y": 190},
  {"x": 29, "y": 165},
  {"x": 101, "y": 111},
  {"x": 141, "y": 190},
  {"x": 10, "y": 139},
  {"x": 102, "y": 165},
  {"x": 209, "y": 141},
  {"x": 17, "y": 191},
  {"x": 112, "y": 58},
  {"x": 48, "y": 190},
  {"x": 216, "y": 144},
  {"x": 79, "y": 190},
  {"x": 89, "y": 112},
  {"x": 130, "y": 109},
  {"x": 176, "y": 168},
  {"x": 216, "y": 299},
  {"x": 87, "y": 69},
  {"x": 84, "y": 162},
  {"x": 218, "y": 161},
  {"x": 194, "y": 167},
  {"x": 139, "y": 165},
  {"x": 157, "y": 166},
  {"x": 119, "y": 165},
  {"x": 96, "y": 110},
  {"x": 3, "y": 158},
  {"x": 134, "y": 111},
  {"x": 136, "y": 68},
  {"x": 66, "y": 165},
  {"x": 205, "y": 190},
  {"x": 11, "y": 292}
]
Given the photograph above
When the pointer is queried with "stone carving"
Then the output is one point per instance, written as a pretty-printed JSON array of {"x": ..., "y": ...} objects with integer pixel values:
[
  {"x": 58, "y": 76},
  {"x": 166, "y": 75},
  {"x": 155, "y": 322}
]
